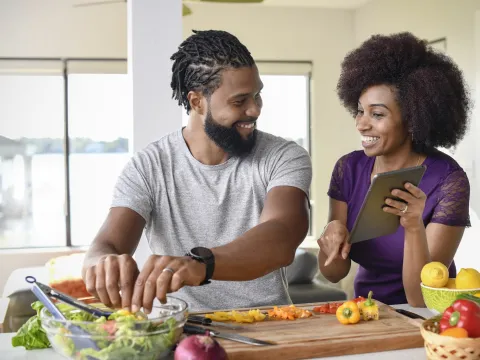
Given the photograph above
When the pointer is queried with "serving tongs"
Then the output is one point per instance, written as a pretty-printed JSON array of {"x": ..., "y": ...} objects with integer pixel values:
[
  {"x": 82, "y": 338},
  {"x": 67, "y": 299}
]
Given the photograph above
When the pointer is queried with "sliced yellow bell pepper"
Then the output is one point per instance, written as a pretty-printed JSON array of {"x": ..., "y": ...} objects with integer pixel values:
[{"x": 369, "y": 308}]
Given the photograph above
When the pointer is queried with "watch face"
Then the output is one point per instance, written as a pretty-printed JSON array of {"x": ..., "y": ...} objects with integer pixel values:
[{"x": 201, "y": 252}]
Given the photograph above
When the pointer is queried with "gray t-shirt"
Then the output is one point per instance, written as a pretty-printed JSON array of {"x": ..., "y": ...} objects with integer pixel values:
[{"x": 187, "y": 204}]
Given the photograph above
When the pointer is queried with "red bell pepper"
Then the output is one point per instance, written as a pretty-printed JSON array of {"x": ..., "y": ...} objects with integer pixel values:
[{"x": 463, "y": 314}]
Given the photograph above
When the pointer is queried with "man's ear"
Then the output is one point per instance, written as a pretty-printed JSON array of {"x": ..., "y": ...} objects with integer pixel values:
[{"x": 197, "y": 102}]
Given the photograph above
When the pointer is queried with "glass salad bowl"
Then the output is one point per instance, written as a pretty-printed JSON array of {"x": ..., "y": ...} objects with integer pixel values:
[{"x": 123, "y": 335}]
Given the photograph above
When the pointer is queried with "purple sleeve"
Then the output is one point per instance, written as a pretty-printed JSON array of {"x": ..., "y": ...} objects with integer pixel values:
[
  {"x": 453, "y": 201},
  {"x": 336, "y": 190}
]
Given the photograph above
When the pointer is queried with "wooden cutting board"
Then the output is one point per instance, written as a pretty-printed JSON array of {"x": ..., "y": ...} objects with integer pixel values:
[{"x": 322, "y": 335}]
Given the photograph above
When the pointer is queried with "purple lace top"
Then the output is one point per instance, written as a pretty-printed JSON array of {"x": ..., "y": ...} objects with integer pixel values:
[{"x": 380, "y": 260}]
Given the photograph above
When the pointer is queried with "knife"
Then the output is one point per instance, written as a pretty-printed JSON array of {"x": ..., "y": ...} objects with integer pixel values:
[
  {"x": 192, "y": 329},
  {"x": 409, "y": 314},
  {"x": 194, "y": 319}
]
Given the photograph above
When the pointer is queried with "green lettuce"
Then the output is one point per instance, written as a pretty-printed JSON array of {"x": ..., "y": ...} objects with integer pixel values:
[{"x": 31, "y": 335}]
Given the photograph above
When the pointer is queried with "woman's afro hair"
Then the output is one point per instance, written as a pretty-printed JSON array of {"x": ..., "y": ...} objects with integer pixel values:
[{"x": 430, "y": 88}]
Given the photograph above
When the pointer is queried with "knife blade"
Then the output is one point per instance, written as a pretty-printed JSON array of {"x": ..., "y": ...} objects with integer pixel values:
[
  {"x": 195, "y": 319},
  {"x": 192, "y": 329},
  {"x": 409, "y": 314}
]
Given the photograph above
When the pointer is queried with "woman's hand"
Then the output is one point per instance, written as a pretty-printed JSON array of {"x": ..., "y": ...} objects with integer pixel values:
[
  {"x": 411, "y": 211},
  {"x": 334, "y": 241}
]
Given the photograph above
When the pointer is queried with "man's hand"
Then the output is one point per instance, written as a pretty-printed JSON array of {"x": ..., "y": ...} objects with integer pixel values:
[
  {"x": 162, "y": 275},
  {"x": 112, "y": 274}
]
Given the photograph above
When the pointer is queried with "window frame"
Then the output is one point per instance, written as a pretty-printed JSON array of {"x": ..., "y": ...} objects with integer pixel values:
[
  {"x": 64, "y": 67},
  {"x": 301, "y": 68}
]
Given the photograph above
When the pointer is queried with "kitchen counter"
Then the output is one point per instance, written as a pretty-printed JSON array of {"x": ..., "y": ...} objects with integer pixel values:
[{"x": 9, "y": 353}]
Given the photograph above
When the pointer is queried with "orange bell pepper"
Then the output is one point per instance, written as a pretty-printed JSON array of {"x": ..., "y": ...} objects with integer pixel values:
[{"x": 348, "y": 313}]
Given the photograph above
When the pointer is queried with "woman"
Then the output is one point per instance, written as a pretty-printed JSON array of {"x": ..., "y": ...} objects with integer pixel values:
[{"x": 407, "y": 100}]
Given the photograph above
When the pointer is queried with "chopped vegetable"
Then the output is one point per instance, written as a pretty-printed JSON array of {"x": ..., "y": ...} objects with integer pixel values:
[
  {"x": 200, "y": 347},
  {"x": 369, "y": 308},
  {"x": 462, "y": 314},
  {"x": 359, "y": 299},
  {"x": 348, "y": 313},
  {"x": 31, "y": 335},
  {"x": 327, "y": 308},
  {"x": 288, "y": 313},
  {"x": 237, "y": 316}
]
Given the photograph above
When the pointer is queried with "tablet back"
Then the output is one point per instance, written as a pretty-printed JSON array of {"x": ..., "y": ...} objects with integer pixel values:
[{"x": 372, "y": 221}]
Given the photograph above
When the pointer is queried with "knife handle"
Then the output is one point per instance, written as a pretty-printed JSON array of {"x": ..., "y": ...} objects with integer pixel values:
[
  {"x": 194, "y": 330},
  {"x": 199, "y": 320}
]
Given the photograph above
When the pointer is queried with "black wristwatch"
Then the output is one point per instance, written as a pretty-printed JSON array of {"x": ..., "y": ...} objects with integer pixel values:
[{"x": 206, "y": 257}]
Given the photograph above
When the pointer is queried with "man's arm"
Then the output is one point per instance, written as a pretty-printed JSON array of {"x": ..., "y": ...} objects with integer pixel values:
[
  {"x": 119, "y": 234},
  {"x": 269, "y": 245}
]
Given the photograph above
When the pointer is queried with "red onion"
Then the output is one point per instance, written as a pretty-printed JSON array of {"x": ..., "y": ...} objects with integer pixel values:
[{"x": 200, "y": 347}]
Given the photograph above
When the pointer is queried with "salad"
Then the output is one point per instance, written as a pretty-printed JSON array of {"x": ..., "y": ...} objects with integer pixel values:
[{"x": 123, "y": 335}]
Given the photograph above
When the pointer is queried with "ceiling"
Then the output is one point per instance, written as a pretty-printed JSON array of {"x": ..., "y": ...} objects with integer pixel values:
[{"x": 333, "y": 4}]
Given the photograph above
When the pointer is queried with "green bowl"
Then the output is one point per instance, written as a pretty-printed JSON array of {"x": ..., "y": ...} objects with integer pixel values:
[{"x": 438, "y": 299}]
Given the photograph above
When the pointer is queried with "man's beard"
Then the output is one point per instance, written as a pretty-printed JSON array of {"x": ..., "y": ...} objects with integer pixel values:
[{"x": 228, "y": 138}]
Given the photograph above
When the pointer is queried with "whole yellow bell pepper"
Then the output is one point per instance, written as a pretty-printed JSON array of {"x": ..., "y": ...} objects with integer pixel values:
[{"x": 348, "y": 313}]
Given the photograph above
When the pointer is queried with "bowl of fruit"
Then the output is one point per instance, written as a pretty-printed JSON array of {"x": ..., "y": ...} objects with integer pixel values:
[
  {"x": 454, "y": 334},
  {"x": 439, "y": 291}
]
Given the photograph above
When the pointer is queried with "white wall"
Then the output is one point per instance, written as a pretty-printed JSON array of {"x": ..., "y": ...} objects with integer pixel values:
[
  {"x": 434, "y": 19},
  {"x": 55, "y": 28}
]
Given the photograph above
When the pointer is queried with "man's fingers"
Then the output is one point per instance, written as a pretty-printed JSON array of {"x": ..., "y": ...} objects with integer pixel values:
[
  {"x": 163, "y": 284},
  {"x": 111, "y": 280},
  {"x": 90, "y": 280},
  {"x": 150, "y": 290},
  {"x": 178, "y": 280},
  {"x": 137, "y": 298},
  {"x": 100, "y": 284},
  {"x": 128, "y": 274}
]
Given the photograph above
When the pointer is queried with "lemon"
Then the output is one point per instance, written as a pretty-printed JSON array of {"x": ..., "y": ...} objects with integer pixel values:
[
  {"x": 451, "y": 284},
  {"x": 468, "y": 278},
  {"x": 434, "y": 274}
]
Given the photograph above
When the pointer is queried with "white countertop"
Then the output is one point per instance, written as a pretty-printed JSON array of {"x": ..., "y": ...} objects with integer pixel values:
[{"x": 7, "y": 352}]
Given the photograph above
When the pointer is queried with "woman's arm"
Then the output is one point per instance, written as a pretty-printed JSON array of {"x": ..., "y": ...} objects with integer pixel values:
[
  {"x": 441, "y": 238},
  {"x": 333, "y": 242},
  {"x": 435, "y": 243}
]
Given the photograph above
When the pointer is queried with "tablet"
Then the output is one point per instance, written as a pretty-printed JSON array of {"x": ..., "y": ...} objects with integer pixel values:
[{"x": 372, "y": 221}]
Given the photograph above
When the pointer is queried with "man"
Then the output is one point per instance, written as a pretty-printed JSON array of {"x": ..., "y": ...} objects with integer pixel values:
[{"x": 224, "y": 206}]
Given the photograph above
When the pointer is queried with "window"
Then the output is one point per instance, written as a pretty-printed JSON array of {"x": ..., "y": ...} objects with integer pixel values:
[
  {"x": 32, "y": 166},
  {"x": 41, "y": 179},
  {"x": 100, "y": 127}
]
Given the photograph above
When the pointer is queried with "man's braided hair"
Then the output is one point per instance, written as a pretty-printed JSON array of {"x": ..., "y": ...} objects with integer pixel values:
[{"x": 199, "y": 62}]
